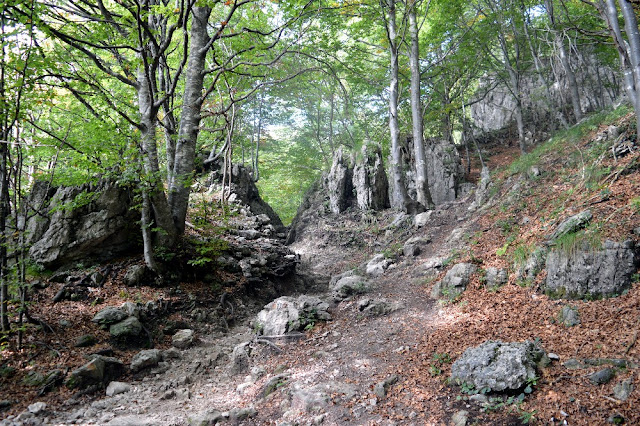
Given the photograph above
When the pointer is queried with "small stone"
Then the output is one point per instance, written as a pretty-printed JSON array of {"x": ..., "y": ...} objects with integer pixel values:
[
  {"x": 130, "y": 327},
  {"x": 146, "y": 358},
  {"x": 569, "y": 316},
  {"x": 460, "y": 418},
  {"x": 623, "y": 389},
  {"x": 422, "y": 219},
  {"x": 85, "y": 340},
  {"x": 601, "y": 377},
  {"x": 479, "y": 399},
  {"x": 171, "y": 353},
  {"x": 205, "y": 419},
  {"x": 553, "y": 357},
  {"x": 182, "y": 339},
  {"x": 116, "y": 388},
  {"x": 109, "y": 315},
  {"x": 37, "y": 407},
  {"x": 239, "y": 414},
  {"x": 170, "y": 394},
  {"x": 4, "y": 404},
  {"x": 572, "y": 364}
]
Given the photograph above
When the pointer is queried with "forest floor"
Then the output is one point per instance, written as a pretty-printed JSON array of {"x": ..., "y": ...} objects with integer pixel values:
[{"x": 330, "y": 375}]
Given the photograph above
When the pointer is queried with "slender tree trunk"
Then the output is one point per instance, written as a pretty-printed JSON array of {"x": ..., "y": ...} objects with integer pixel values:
[
  {"x": 148, "y": 127},
  {"x": 4, "y": 183},
  {"x": 515, "y": 90},
  {"x": 399, "y": 198},
  {"x": 633, "y": 35},
  {"x": 423, "y": 194},
  {"x": 190, "y": 119}
]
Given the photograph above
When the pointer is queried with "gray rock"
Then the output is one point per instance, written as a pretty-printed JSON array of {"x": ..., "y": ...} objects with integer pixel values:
[
  {"x": 113, "y": 367},
  {"x": 130, "y": 327},
  {"x": 454, "y": 282},
  {"x": 572, "y": 224},
  {"x": 377, "y": 265},
  {"x": 91, "y": 373},
  {"x": 340, "y": 183},
  {"x": 116, "y": 388},
  {"x": 33, "y": 378},
  {"x": 85, "y": 340},
  {"x": 602, "y": 376},
  {"x": 370, "y": 180},
  {"x": 421, "y": 219},
  {"x": 569, "y": 316},
  {"x": 37, "y": 407},
  {"x": 130, "y": 420},
  {"x": 4, "y": 404},
  {"x": 414, "y": 246},
  {"x": 496, "y": 277},
  {"x": 240, "y": 358},
  {"x": 240, "y": 414},
  {"x": 72, "y": 230},
  {"x": 349, "y": 286},
  {"x": 534, "y": 264},
  {"x": 497, "y": 366},
  {"x": 377, "y": 307},
  {"x": 314, "y": 398},
  {"x": 591, "y": 273},
  {"x": 479, "y": 399},
  {"x": 381, "y": 388},
  {"x": 287, "y": 314},
  {"x": 208, "y": 418},
  {"x": 274, "y": 384},
  {"x": 109, "y": 315},
  {"x": 183, "y": 338},
  {"x": 460, "y": 418},
  {"x": 444, "y": 170},
  {"x": 131, "y": 309},
  {"x": 134, "y": 275},
  {"x": 623, "y": 389},
  {"x": 146, "y": 358}
]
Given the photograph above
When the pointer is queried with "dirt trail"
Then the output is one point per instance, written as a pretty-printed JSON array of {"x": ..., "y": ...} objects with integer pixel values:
[{"x": 329, "y": 377}]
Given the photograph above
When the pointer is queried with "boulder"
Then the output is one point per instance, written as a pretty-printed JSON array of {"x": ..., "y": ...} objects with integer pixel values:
[
  {"x": 496, "y": 277},
  {"x": 569, "y": 316},
  {"x": 377, "y": 265},
  {"x": 591, "y": 273},
  {"x": 454, "y": 282},
  {"x": 134, "y": 275},
  {"x": 623, "y": 389},
  {"x": 146, "y": 358},
  {"x": 414, "y": 246},
  {"x": 239, "y": 362},
  {"x": 75, "y": 223},
  {"x": 109, "y": 315},
  {"x": 128, "y": 328},
  {"x": 497, "y": 366},
  {"x": 183, "y": 338},
  {"x": 85, "y": 340},
  {"x": 377, "y": 307},
  {"x": 286, "y": 314},
  {"x": 116, "y": 388},
  {"x": 349, "y": 286},
  {"x": 37, "y": 407},
  {"x": 421, "y": 219},
  {"x": 370, "y": 181},
  {"x": 340, "y": 183},
  {"x": 572, "y": 224},
  {"x": 91, "y": 373}
]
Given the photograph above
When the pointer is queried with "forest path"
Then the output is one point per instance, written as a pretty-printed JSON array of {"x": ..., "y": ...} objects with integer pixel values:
[{"x": 329, "y": 377}]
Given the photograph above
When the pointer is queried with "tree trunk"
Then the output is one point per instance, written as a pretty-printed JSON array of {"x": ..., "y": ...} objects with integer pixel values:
[
  {"x": 399, "y": 196},
  {"x": 633, "y": 35},
  {"x": 423, "y": 194},
  {"x": 515, "y": 91},
  {"x": 190, "y": 119}
]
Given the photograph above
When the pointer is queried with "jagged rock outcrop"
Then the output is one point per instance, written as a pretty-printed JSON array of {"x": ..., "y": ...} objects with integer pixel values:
[
  {"x": 498, "y": 366},
  {"x": 454, "y": 282},
  {"x": 72, "y": 223},
  {"x": 370, "y": 181},
  {"x": 444, "y": 170},
  {"x": 588, "y": 272},
  {"x": 340, "y": 183},
  {"x": 245, "y": 190}
]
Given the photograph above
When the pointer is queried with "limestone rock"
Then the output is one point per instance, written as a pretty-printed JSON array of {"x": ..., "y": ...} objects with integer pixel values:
[
  {"x": 128, "y": 328},
  {"x": 591, "y": 273},
  {"x": 454, "y": 282},
  {"x": 207, "y": 418},
  {"x": 534, "y": 264},
  {"x": 377, "y": 307},
  {"x": 497, "y": 365},
  {"x": 116, "y": 388},
  {"x": 37, "y": 407},
  {"x": 496, "y": 277},
  {"x": 183, "y": 338},
  {"x": 85, "y": 340},
  {"x": 569, "y": 316},
  {"x": 421, "y": 219},
  {"x": 623, "y": 390},
  {"x": 287, "y": 314},
  {"x": 134, "y": 275},
  {"x": 240, "y": 358},
  {"x": 82, "y": 222},
  {"x": 370, "y": 180},
  {"x": 444, "y": 170},
  {"x": 377, "y": 265},
  {"x": 349, "y": 286},
  {"x": 572, "y": 224},
  {"x": 109, "y": 315},
  {"x": 414, "y": 246},
  {"x": 602, "y": 376},
  {"x": 146, "y": 358},
  {"x": 340, "y": 183},
  {"x": 89, "y": 374}
]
